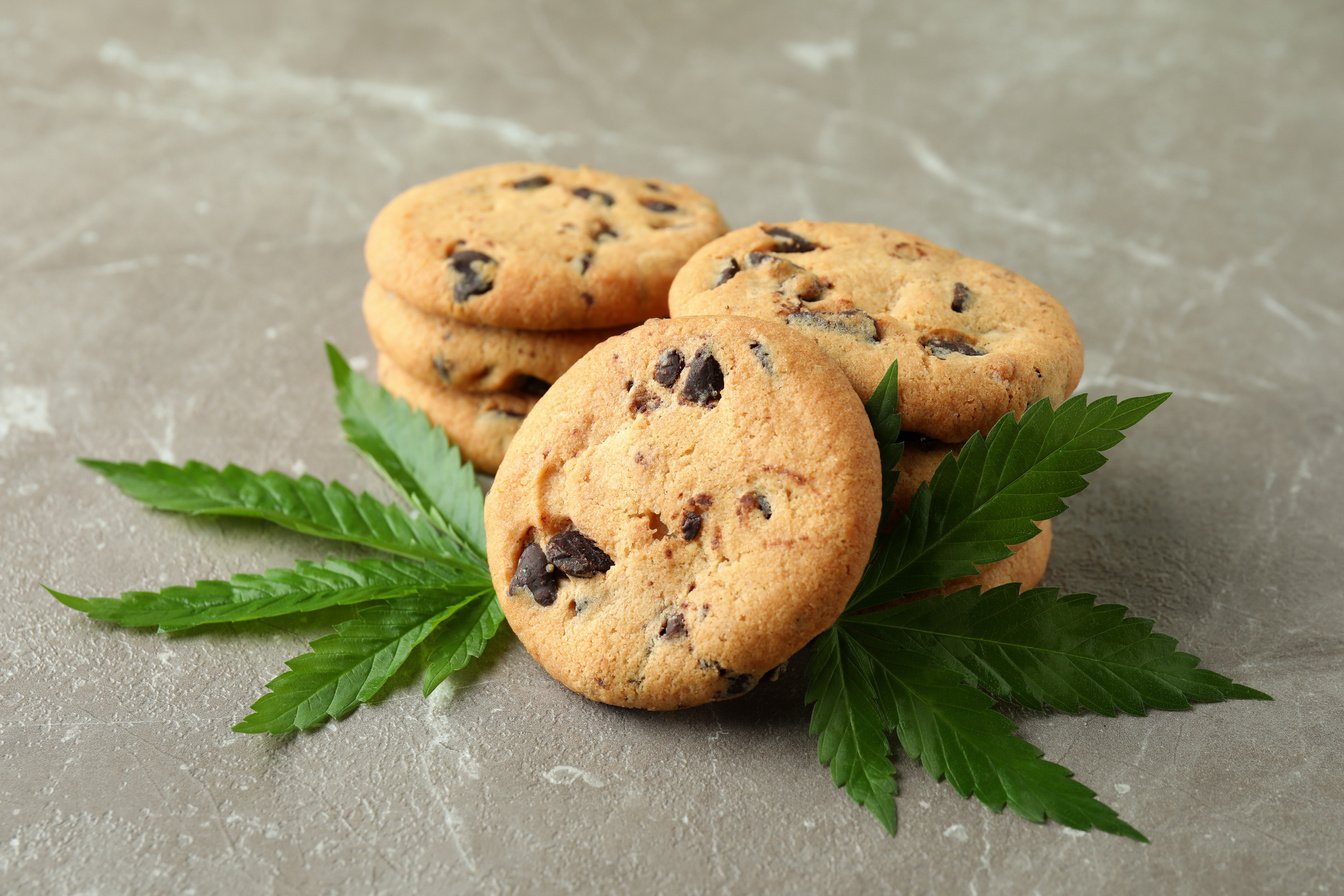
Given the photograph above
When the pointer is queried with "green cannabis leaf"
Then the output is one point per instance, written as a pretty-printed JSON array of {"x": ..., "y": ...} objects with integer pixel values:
[
  {"x": 850, "y": 727},
  {"x": 953, "y": 731},
  {"x": 277, "y": 592},
  {"x": 412, "y": 454},
  {"x": 304, "y": 505},
  {"x": 885, "y": 417},
  {"x": 1041, "y": 650},
  {"x": 460, "y": 639},
  {"x": 349, "y": 667},
  {"x": 990, "y": 495},
  {"x": 928, "y": 670},
  {"x": 435, "y": 588}
]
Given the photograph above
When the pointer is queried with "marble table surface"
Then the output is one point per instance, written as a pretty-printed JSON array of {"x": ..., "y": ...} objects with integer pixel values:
[{"x": 185, "y": 192}]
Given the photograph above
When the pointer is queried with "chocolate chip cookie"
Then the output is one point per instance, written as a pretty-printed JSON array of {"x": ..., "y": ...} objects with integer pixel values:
[
  {"x": 480, "y": 425},
  {"x": 532, "y": 246},
  {"x": 687, "y": 507},
  {"x": 467, "y": 357},
  {"x": 974, "y": 340}
]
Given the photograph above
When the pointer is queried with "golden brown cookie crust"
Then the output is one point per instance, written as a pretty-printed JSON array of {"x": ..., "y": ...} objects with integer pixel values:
[
  {"x": 467, "y": 357},
  {"x": 532, "y": 246},
  {"x": 974, "y": 340},
  {"x": 480, "y": 425},
  {"x": 736, "y": 514}
]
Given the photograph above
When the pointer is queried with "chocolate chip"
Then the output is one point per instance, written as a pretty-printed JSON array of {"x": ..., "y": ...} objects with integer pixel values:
[
  {"x": 674, "y": 626},
  {"x": 668, "y": 368},
  {"x": 535, "y": 574},
  {"x": 805, "y": 287},
  {"x": 853, "y": 322},
  {"x": 444, "y": 369},
  {"x": 788, "y": 241},
  {"x": 690, "y": 525},
  {"x": 530, "y": 385},
  {"x": 944, "y": 348},
  {"x": 657, "y": 205},
  {"x": 531, "y": 183},
  {"x": 603, "y": 233},
  {"x": 918, "y": 439},
  {"x": 756, "y": 259},
  {"x": 739, "y": 683},
  {"x": 763, "y": 355},
  {"x": 960, "y": 296},
  {"x": 582, "y": 262},
  {"x": 587, "y": 298},
  {"x": 753, "y": 501},
  {"x": 654, "y": 186},
  {"x": 475, "y": 273},
  {"x": 577, "y": 555},
  {"x": 726, "y": 273},
  {"x": 704, "y": 379},
  {"x": 589, "y": 194}
]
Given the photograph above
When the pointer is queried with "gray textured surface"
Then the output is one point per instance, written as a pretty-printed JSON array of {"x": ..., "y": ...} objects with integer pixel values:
[{"x": 185, "y": 188}]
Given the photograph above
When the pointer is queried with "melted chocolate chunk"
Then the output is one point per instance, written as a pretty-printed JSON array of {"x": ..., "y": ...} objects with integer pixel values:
[
  {"x": 853, "y": 322},
  {"x": 582, "y": 262},
  {"x": 587, "y": 298},
  {"x": 657, "y": 205},
  {"x": 531, "y": 183},
  {"x": 756, "y": 259},
  {"x": 530, "y": 385},
  {"x": 603, "y": 233},
  {"x": 753, "y": 501},
  {"x": 726, "y": 273},
  {"x": 577, "y": 555},
  {"x": 787, "y": 241},
  {"x": 704, "y": 379},
  {"x": 589, "y": 194},
  {"x": 805, "y": 287},
  {"x": 475, "y": 273},
  {"x": 674, "y": 626},
  {"x": 535, "y": 574},
  {"x": 763, "y": 355},
  {"x": 690, "y": 525},
  {"x": 945, "y": 348},
  {"x": 444, "y": 369},
  {"x": 960, "y": 296},
  {"x": 668, "y": 367},
  {"x": 918, "y": 439},
  {"x": 739, "y": 683}
]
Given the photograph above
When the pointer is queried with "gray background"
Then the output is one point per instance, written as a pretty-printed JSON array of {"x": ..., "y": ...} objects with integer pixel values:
[{"x": 185, "y": 189}]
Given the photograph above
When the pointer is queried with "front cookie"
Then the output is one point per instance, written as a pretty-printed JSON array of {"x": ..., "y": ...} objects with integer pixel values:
[
  {"x": 531, "y": 246},
  {"x": 686, "y": 508},
  {"x": 975, "y": 341}
]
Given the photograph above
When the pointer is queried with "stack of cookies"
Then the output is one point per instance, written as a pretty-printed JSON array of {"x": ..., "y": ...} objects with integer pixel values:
[
  {"x": 696, "y": 498},
  {"x": 974, "y": 341},
  {"x": 487, "y": 285}
]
